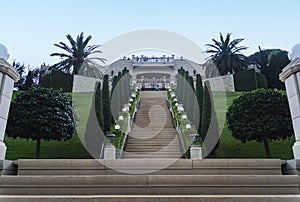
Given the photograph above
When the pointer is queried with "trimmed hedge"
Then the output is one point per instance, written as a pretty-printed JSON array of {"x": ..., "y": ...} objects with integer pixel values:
[
  {"x": 245, "y": 80},
  {"x": 58, "y": 80},
  {"x": 261, "y": 80}
]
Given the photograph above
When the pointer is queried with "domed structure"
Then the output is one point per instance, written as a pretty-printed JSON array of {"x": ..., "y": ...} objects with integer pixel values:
[
  {"x": 295, "y": 53},
  {"x": 3, "y": 52}
]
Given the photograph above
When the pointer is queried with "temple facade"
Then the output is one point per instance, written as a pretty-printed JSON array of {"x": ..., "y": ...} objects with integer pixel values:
[{"x": 153, "y": 72}]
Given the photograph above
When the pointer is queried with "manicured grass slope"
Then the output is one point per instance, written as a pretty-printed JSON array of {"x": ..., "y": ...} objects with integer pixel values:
[{"x": 229, "y": 147}]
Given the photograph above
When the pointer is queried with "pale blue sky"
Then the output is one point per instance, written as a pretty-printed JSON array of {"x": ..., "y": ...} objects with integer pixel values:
[{"x": 29, "y": 28}]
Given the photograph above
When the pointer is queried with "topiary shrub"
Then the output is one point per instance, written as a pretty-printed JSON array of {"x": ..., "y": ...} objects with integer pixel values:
[
  {"x": 41, "y": 114},
  {"x": 260, "y": 115}
]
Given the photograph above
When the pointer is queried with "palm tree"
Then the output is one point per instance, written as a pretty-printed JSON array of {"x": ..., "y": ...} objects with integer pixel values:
[
  {"x": 76, "y": 59},
  {"x": 226, "y": 56}
]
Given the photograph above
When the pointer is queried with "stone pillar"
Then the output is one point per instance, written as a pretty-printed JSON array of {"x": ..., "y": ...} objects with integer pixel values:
[
  {"x": 291, "y": 76},
  {"x": 196, "y": 152},
  {"x": 8, "y": 76},
  {"x": 110, "y": 152}
]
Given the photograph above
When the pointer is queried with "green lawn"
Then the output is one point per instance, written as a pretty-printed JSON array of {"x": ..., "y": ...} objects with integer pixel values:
[{"x": 229, "y": 147}]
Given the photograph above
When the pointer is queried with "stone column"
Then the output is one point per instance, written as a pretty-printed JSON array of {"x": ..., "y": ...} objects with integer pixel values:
[
  {"x": 8, "y": 76},
  {"x": 291, "y": 76},
  {"x": 109, "y": 152},
  {"x": 196, "y": 152}
]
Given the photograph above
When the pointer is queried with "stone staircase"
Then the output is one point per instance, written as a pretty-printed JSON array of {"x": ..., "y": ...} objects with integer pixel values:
[
  {"x": 184, "y": 180},
  {"x": 153, "y": 134},
  {"x": 151, "y": 170}
]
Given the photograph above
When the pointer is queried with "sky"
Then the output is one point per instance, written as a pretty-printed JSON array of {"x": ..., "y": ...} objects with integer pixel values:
[{"x": 29, "y": 28}]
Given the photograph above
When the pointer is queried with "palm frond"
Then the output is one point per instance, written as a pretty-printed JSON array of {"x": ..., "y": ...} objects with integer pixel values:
[
  {"x": 72, "y": 42},
  {"x": 86, "y": 41},
  {"x": 60, "y": 54}
]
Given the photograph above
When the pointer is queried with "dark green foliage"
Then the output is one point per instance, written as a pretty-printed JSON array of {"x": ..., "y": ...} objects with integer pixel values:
[
  {"x": 245, "y": 81},
  {"x": 114, "y": 83},
  {"x": 199, "y": 95},
  {"x": 41, "y": 113},
  {"x": 180, "y": 85},
  {"x": 185, "y": 88},
  {"x": 118, "y": 139},
  {"x": 260, "y": 115},
  {"x": 277, "y": 61},
  {"x": 209, "y": 124},
  {"x": 58, "y": 80},
  {"x": 98, "y": 104},
  {"x": 206, "y": 110},
  {"x": 261, "y": 80},
  {"x": 271, "y": 62},
  {"x": 226, "y": 56},
  {"x": 20, "y": 68},
  {"x": 191, "y": 99},
  {"x": 106, "y": 105},
  {"x": 260, "y": 58},
  {"x": 28, "y": 81}
]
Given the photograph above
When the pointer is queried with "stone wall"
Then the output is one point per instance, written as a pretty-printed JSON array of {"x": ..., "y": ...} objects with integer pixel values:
[
  {"x": 84, "y": 84},
  {"x": 222, "y": 83}
]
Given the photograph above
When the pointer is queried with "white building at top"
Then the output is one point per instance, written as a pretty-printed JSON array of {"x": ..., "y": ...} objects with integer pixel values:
[{"x": 148, "y": 72}]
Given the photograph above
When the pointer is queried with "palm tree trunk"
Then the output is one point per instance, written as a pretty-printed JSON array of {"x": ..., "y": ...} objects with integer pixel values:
[
  {"x": 267, "y": 148},
  {"x": 38, "y": 148}
]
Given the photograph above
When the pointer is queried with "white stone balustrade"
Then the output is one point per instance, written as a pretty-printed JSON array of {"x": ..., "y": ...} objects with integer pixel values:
[
  {"x": 8, "y": 76},
  {"x": 291, "y": 76}
]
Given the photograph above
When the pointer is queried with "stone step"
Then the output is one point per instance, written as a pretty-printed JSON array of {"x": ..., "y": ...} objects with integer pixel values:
[
  {"x": 151, "y": 198},
  {"x": 150, "y": 150},
  {"x": 153, "y": 140},
  {"x": 163, "y": 166},
  {"x": 153, "y": 134},
  {"x": 159, "y": 152},
  {"x": 152, "y": 143},
  {"x": 152, "y": 129},
  {"x": 149, "y": 184},
  {"x": 148, "y": 134},
  {"x": 146, "y": 145},
  {"x": 152, "y": 156}
]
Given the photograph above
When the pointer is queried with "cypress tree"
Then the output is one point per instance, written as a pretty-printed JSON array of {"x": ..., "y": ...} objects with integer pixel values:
[
  {"x": 29, "y": 81},
  {"x": 190, "y": 99},
  {"x": 120, "y": 90},
  {"x": 106, "y": 104},
  {"x": 199, "y": 95},
  {"x": 185, "y": 88},
  {"x": 209, "y": 122},
  {"x": 180, "y": 83},
  {"x": 206, "y": 111},
  {"x": 114, "y": 83},
  {"x": 98, "y": 104}
]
